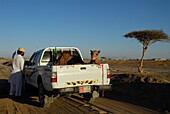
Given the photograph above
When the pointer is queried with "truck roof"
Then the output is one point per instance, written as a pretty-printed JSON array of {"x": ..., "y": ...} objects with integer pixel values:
[
  {"x": 58, "y": 48},
  {"x": 61, "y": 48}
]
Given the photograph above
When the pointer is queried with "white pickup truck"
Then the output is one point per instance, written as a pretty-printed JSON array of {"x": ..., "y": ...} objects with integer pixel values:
[{"x": 85, "y": 79}]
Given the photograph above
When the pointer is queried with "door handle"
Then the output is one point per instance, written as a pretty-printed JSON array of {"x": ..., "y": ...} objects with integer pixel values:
[{"x": 83, "y": 68}]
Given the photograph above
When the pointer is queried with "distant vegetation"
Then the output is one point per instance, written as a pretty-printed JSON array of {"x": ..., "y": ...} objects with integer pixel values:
[{"x": 147, "y": 37}]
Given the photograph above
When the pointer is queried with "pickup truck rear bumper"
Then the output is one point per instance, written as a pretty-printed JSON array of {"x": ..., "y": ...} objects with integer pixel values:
[{"x": 77, "y": 90}]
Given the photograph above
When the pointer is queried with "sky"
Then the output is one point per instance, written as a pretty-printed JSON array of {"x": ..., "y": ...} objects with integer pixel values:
[{"x": 85, "y": 24}]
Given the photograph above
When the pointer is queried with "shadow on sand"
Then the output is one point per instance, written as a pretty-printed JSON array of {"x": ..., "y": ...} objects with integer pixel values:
[
  {"x": 9, "y": 63},
  {"x": 27, "y": 97},
  {"x": 149, "y": 95}
]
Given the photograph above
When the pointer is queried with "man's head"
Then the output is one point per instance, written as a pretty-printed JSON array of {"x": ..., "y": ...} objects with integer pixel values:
[{"x": 21, "y": 51}]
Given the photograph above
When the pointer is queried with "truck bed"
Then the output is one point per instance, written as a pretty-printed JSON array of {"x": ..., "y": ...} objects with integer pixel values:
[{"x": 80, "y": 75}]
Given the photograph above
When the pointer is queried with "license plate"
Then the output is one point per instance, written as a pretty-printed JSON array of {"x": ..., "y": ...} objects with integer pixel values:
[{"x": 84, "y": 89}]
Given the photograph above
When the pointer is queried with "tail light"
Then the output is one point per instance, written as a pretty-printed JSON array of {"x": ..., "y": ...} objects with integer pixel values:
[
  {"x": 54, "y": 77},
  {"x": 108, "y": 73}
]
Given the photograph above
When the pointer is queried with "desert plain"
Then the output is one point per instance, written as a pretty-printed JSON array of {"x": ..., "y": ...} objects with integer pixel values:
[{"x": 132, "y": 92}]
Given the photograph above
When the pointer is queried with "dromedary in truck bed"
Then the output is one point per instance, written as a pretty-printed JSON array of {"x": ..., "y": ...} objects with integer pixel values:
[
  {"x": 94, "y": 57},
  {"x": 66, "y": 58}
]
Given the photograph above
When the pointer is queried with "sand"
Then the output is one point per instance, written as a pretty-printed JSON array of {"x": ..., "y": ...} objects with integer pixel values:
[{"x": 132, "y": 93}]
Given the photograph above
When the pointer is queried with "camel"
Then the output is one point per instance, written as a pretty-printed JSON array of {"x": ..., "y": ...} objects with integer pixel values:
[
  {"x": 67, "y": 59},
  {"x": 94, "y": 57}
]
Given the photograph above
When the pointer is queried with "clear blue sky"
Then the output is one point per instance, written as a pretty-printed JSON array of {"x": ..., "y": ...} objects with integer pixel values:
[{"x": 86, "y": 24}]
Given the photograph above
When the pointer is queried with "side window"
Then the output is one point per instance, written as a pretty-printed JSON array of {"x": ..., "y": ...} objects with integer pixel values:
[
  {"x": 47, "y": 57},
  {"x": 32, "y": 58},
  {"x": 35, "y": 61}
]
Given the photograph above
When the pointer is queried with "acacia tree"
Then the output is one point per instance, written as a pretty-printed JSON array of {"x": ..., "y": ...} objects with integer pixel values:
[{"x": 147, "y": 37}]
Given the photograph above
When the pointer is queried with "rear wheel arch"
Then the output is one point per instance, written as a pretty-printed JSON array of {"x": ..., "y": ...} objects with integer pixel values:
[
  {"x": 39, "y": 79},
  {"x": 44, "y": 99}
]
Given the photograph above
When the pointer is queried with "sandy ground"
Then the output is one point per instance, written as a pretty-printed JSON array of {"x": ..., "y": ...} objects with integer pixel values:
[
  {"x": 118, "y": 101},
  {"x": 135, "y": 69},
  {"x": 132, "y": 65}
]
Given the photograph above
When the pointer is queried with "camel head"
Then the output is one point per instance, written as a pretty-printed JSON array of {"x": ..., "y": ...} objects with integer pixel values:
[{"x": 94, "y": 54}]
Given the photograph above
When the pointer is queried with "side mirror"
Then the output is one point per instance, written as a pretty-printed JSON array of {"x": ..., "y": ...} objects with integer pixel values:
[{"x": 27, "y": 63}]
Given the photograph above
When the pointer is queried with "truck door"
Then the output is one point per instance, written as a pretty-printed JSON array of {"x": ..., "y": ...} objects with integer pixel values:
[
  {"x": 31, "y": 70},
  {"x": 28, "y": 68}
]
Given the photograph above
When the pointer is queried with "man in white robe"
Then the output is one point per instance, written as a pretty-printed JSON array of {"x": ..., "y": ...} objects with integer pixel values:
[{"x": 16, "y": 76}]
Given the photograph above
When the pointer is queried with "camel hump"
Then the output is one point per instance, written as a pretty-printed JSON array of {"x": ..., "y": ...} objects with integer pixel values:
[{"x": 68, "y": 58}]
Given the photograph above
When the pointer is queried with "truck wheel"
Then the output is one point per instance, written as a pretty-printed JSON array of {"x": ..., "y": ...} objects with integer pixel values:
[
  {"x": 91, "y": 96},
  {"x": 68, "y": 95},
  {"x": 95, "y": 94},
  {"x": 43, "y": 99},
  {"x": 87, "y": 96}
]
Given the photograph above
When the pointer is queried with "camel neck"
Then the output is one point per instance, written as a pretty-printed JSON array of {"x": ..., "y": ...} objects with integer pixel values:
[{"x": 93, "y": 61}]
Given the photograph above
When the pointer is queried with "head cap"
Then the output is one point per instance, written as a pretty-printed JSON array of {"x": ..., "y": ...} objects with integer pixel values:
[{"x": 21, "y": 49}]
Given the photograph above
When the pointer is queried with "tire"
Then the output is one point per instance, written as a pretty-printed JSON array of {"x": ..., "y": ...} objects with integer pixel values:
[
  {"x": 68, "y": 95},
  {"x": 43, "y": 99},
  {"x": 91, "y": 96},
  {"x": 95, "y": 94},
  {"x": 87, "y": 96}
]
